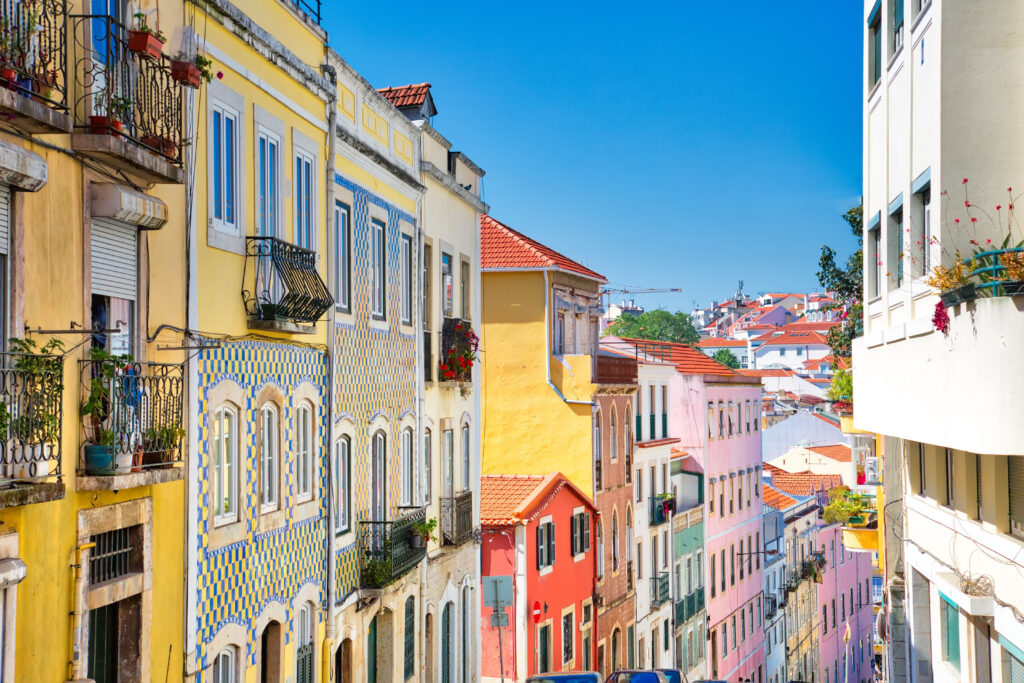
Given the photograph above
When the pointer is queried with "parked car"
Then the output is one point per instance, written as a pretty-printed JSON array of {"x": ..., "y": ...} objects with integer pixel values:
[
  {"x": 566, "y": 677},
  {"x": 674, "y": 675},
  {"x": 636, "y": 676}
]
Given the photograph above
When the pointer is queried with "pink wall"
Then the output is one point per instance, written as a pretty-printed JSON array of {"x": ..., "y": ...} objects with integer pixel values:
[
  {"x": 847, "y": 571},
  {"x": 497, "y": 558},
  {"x": 724, "y": 532}
]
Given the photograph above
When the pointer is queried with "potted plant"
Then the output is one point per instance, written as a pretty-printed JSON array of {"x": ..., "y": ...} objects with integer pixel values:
[
  {"x": 423, "y": 533},
  {"x": 667, "y": 502},
  {"x": 161, "y": 144},
  {"x": 96, "y": 409},
  {"x": 144, "y": 40},
  {"x": 158, "y": 443},
  {"x": 953, "y": 282},
  {"x": 861, "y": 475},
  {"x": 192, "y": 72},
  {"x": 36, "y": 425},
  {"x": 377, "y": 572},
  {"x": 111, "y": 122},
  {"x": 1013, "y": 270}
]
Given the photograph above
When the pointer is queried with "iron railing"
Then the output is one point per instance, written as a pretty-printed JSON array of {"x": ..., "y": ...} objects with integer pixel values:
[
  {"x": 689, "y": 606},
  {"x": 311, "y": 8},
  {"x": 660, "y": 508},
  {"x": 614, "y": 370},
  {"x": 31, "y": 417},
  {"x": 284, "y": 283},
  {"x": 139, "y": 417},
  {"x": 679, "y": 612},
  {"x": 771, "y": 606},
  {"x": 386, "y": 548},
  {"x": 990, "y": 269},
  {"x": 122, "y": 93},
  {"x": 457, "y": 518},
  {"x": 659, "y": 589},
  {"x": 33, "y": 49},
  {"x": 453, "y": 339}
]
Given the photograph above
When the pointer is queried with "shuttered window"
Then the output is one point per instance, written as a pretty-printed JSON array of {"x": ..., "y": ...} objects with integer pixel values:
[
  {"x": 1016, "y": 670},
  {"x": 410, "y": 637},
  {"x": 1015, "y": 470},
  {"x": 114, "y": 259},
  {"x": 950, "y": 633},
  {"x": 5, "y": 232},
  {"x": 5, "y": 218},
  {"x": 545, "y": 545}
]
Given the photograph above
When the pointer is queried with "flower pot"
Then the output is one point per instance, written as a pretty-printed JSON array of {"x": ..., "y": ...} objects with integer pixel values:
[
  {"x": 862, "y": 478},
  {"x": 38, "y": 464},
  {"x": 8, "y": 75},
  {"x": 268, "y": 312},
  {"x": 161, "y": 145},
  {"x": 99, "y": 459},
  {"x": 151, "y": 459},
  {"x": 144, "y": 44},
  {"x": 416, "y": 541},
  {"x": 124, "y": 462},
  {"x": 968, "y": 292},
  {"x": 950, "y": 297},
  {"x": 104, "y": 125},
  {"x": 186, "y": 73}
]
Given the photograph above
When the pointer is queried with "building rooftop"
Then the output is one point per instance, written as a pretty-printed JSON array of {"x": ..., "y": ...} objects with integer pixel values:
[
  {"x": 838, "y": 452},
  {"x": 502, "y": 248},
  {"x": 406, "y": 95},
  {"x": 775, "y": 498},
  {"x": 717, "y": 342},
  {"x": 507, "y": 499},
  {"x": 804, "y": 483}
]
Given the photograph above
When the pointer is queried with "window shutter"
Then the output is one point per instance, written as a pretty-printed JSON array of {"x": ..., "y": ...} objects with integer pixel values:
[
  {"x": 574, "y": 538},
  {"x": 114, "y": 259},
  {"x": 1015, "y": 470},
  {"x": 1016, "y": 670},
  {"x": 540, "y": 546},
  {"x": 586, "y": 532},
  {"x": 5, "y": 219},
  {"x": 551, "y": 543}
]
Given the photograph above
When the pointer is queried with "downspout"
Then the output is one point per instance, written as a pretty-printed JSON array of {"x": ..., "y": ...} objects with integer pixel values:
[
  {"x": 77, "y": 612},
  {"x": 547, "y": 347},
  {"x": 420, "y": 395},
  {"x": 328, "y": 646}
]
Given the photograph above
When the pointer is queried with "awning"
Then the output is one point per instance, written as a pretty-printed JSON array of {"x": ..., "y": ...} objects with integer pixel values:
[
  {"x": 12, "y": 571},
  {"x": 21, "y": 168},
  {"x": 110, "y": 200}
]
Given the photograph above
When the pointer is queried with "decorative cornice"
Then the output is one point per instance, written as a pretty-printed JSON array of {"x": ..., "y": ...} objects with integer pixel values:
[
  {"x": 449, "y": 182},
  {"x": 378, "y": 158}
]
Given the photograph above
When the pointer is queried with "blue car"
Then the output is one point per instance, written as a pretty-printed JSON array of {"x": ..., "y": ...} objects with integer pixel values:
[
  {"x": 566, "y": 677},
  {"x": 637, "y": 676},
  {"x": 674, "y": 675}
]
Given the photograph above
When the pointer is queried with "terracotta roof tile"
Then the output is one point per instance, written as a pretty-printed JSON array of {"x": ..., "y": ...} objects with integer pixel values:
[
  {"x": 803, "y": 483},
  {"x": 776, "y": 499},
  {"x": 502, "y": 247},
  {"x": 795, "y": 338},
  {"x": 406, "y": 95},
  {"x": 718, "y": 342},
  {"x": 838, "y": 452},
  {"x": 766, "y": 372},
  {"x": 687, "y": 359},
  {"x": 502, "y": 494}
]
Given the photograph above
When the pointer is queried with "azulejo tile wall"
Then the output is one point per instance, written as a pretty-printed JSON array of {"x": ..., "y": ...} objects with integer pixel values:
[
  {"x": 236, "y": 581},
  {"x": 375, "y": 364}
]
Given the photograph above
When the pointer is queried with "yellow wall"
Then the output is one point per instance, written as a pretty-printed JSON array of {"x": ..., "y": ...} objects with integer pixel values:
[{"x": 528, "y": 429}]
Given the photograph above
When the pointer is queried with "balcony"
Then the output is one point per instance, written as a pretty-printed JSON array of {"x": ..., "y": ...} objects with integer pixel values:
[
  {"x": 771, "y": 606},
  {"x": 132, "y": 423},
  {"x": 659, "y": 590},
  {"x": 281, "y": 288},
  {"x": 386, "y": 549},
  {"x": 33, "y": 66},
  {"x": 660, "y": 509},
  {"x": 614, "y": 370},
  {"x": 31, "y": 415},
  {"x": 457, "y": 353},
  {"x": 688, "y": 607},
  {"x": 457, "y": 518},
  {"x": 128, "y": 109}
]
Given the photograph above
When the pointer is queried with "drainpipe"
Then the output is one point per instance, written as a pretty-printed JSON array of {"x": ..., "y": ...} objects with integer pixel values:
[
  {"x": 547, "y": 347},
  {"x": 77, "y": 612},
  {"x": 328, "y": 646},
  {"x": 421, "y": 608}
]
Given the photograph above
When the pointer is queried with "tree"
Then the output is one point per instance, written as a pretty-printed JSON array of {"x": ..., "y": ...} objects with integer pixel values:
[
  {"x": 659, "y": 325},
  {"x": 846, "y": 284},
  {"x": 726, "y": 358}
]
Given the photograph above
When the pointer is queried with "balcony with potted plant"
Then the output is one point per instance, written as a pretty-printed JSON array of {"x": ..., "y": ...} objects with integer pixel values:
[
  {"x": 390, "y": 548},
  {"x": 33, "y": 65},
  {"x": 128, "y": 106},
  {"x": 661, "y": 508},
  {"x": 131, "y": 419},
  {"x": 459, "y": 344},
  {"x": 858, "y": 515},
  {"x": 281, "y": 287},
  {"x": 31, "y": 415}
]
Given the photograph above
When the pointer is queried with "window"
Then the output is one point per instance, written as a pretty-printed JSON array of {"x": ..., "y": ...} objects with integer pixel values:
[
  {"x": 757, "y": 538},
  {"x": 721, "y": 421},
  {"x": 712, "y": 572},
  {"x": 833, "y": 612},
  {"x": 580, "y": 533},
  {"x": 426, "y": 466},
  {"x": 743, "y": 626},
  {"x": 567, "y": 638},
  {"x": 711, "y": 420},
  {"x": 224, "y": 666},
  {"x": 266, "y": 183},
  {"x": 875, "y": 45},
  {"x": 747, "y": 415},
  {"x": 739, "y": 500},
  {"x": 949, "y": 618},
  {"x": 304, "y": 653},
  {"x": 342, "y": 477},
  {"x": 950, "y": 471},
  {"x": 842, "y": 607},
  {"x": 615, "y": 541},
  {"x": 269, "y": 457},
  {"x": 730, "y": 418},
  {"x": 377, "y": 269},
  {"x": 343, "y": 242},
  {"x": 638, "y": 485},
  {"x": 921, "y": 217},
  {"x": 405, "y": 255},
  {"x": 409, "y": 633},
  {"x": 897, "y": 26},
  {"x": 732, "y": 565},
  {"x": 304, "y": 438},
  {"x": 465, "y": 458},
  {"x": 447, "y": 294},
  {"x": 824, "y": 618},
  {"x": 628, "y": 428},
  {"x": 464, "y": 281},
  {"x": 664, "y": 411},
  {"x": 560, "y": 335},
  {"x": 722, "y": 572},
  {"x": 407, "y": 468},
  {"x": 711, "y": 497},
  {"x": 894, "y": 246},
  {"x": 545, "y": 545},
  {"x": 613, "y": 440},
  {"x": 304, "y": 210},
  {"x": 725, "y": 640},
  {"x": 733, "y": 629},
  {"x": 224, "y": 167},
  {"x": 225, "y": 465},
  {"x": 597, "y": 450},
  {"x": 875, "y": 262}
]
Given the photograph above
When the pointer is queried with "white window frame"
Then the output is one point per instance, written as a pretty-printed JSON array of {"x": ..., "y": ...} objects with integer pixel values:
[
  {"x": 342, "y": 479},
  {"x": 304, "y": 200},
  {"x": 407, "y": 467},
  {"x": 406, "y": 267},
  {"x": 428, "y": 446},
  {"x": 305, "y": 438},
  {"x": 268, "y": 208},
  {"x": 225, "y": 666},
  {"x": 217, "y": 171},
  {"x": 224, "y": 451},
  {"x": 467, "y": 466},
  {"x": 343, "y": 262},
  {"x": 270, "y": 458},
  {"x": 378, "y": 269}
]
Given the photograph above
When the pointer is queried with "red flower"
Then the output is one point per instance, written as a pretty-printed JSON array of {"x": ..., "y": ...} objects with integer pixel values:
[
  {"x": 956, "y": 220},
  {"x": 966, "y": 203},
  {"x": 444, "y": 367},
  {"x": 965, "y": 181},
  {"x": 974, "y": 220},
  {"x": 1009, "y": 189},
  {"x": 988, "y": 241},
  {"x": 940, "y": 319},
  {"x": 998, "y": 206},
  {"x": 220, "y": 75}
]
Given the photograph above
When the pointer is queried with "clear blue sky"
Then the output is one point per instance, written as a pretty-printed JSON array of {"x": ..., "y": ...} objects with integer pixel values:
[{"x": 675, "y": 144}]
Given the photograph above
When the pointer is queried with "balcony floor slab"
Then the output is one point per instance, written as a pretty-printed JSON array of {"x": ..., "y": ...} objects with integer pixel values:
[
  {"x": 130, "y": 480},
  {"x": 27, "y": 494},
  {"x": 125, "y": 155},
  {"x": 32, "y": 116}
]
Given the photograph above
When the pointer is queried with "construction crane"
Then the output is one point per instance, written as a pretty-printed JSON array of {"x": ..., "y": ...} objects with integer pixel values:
[{"x": 648, "y": 290}]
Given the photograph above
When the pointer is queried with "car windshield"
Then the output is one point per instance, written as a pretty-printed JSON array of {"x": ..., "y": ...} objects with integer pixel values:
[
  {"x": 564, "y": 678},
  {"x": 672, "y": 675}
]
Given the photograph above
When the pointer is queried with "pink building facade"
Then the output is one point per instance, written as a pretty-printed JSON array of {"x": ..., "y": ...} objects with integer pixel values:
[{"x": 844, "y": 600}]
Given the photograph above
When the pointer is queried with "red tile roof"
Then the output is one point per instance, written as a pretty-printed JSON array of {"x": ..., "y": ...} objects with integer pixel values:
[
  {"x": 826, "y": 418},
  {"x": 807, "y": 337},
  {"x": 501, "y": 247},
  {"x": 687, "y": 359},
  {"x": 803, "y": 326},
  {"x": 777, "y": 499},
  {"x": 406, "y": 95},
  {"x": 717, "y": 343},
  {"x": 766, "y": 372},
  {"x": 507, "y": 499},
  {"x": 803, "y": 483},
  {"x": 838, "y": 452}
]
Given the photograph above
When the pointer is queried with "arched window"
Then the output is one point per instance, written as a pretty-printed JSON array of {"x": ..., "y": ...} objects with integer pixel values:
[
  {"x": 342, "y": 483},
  {"x": 224, "y": 439},
  {"x": 446, "y": 643},
  {"x": 600, "y": 550},
  {"x": 465, "y": 458},
  {"x": 427, "y": 442},
  {"x": 269, "y": 457},
  {"x": 615, "y": 541},
  {"x": 407, "y": 467},
  {"x": 466, "y": 639},
  {"x": 409, "y": 637},
  {"x": 629, "y": 443},
  {"x": 224, "y": 667},
  {"x": 629, "y": 535},
  {"x": 615, "y": 649},
  {"x": 378, "y": 492},
  {"x": 598, "y": 483},
  {"x": 304, "y": 437},
  {"x": 613, "y": 438},
  {"x": 304, "y": 654}
]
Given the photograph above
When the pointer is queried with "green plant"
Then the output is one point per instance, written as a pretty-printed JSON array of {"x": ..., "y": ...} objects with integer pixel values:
[
  {"x": 665, "y": 495},
  {"x": 161, "y": 438},
  {"x": 119, "y": 108},
  {"x": 377, "y": 572},
  {"x": 727, "y": 358},
  {"x": 205, "y": 66},
  {"x": 143, "y": 27},
  {"x": 425, "y": 529},
  {"x": 42, "y": 371},
  {"x": 96, "y": 407},
  {"x": 842, "y": 506},
  {"x": 841, "y": 388}
]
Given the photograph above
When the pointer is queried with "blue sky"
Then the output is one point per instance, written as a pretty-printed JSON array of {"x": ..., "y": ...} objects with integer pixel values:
[{"x": 678, "y": 144}]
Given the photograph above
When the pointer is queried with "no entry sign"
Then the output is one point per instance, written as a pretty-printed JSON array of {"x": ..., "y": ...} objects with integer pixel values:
[{"x": 536, "y": 612}]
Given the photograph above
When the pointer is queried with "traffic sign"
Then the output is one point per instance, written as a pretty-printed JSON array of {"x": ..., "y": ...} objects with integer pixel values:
[
  {"x": 497, "y": 591},
  {"x": 499, "y": 618},
  {"x": 536, "y": 612}
]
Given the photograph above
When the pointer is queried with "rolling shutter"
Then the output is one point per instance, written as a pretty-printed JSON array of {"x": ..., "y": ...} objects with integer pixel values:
[
  {"x": 1016, "y": 670},
  {"x": 5, "y": 219},
  {"x": 114, "y": 259},
  {"x": 1015, "y": 472}
]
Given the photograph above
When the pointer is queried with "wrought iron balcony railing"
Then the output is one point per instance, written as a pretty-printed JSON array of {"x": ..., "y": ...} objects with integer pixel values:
[
  {"x": 387, "y": 549},
  {"x": 31, "y": 416},
  {"x": 771, "y": 606},
  {"x": 133, "y": 415},
  {"x": 456, "y": 341},
  {"x": 679, "y": 612},
  {"x": 311, "y": 8},
  {"x": 687, "y": 607},
  {"x": 614, "y": 370},
  {"x": 280, "y": 282},
  {"x": 660, "y": 509},
  {"x": 33, "y": 50},
  {"x": 457, "y": 518},
  {"x": 124, "y": 93},
  {"x": 659, "y": 589}
]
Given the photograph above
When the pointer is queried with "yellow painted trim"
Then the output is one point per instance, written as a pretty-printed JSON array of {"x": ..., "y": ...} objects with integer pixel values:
[
  {"x": 347, "y": 102},
  {"x": 376, "y": 125},
  {"x": 403, "y": 148}
]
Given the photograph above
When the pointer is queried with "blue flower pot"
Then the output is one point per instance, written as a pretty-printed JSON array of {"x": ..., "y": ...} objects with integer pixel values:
[{"x": 99, "y": 459}]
